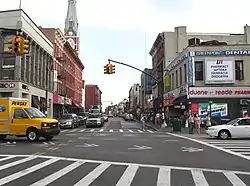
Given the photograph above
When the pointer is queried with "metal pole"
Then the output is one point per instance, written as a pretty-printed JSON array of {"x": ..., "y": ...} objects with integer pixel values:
[{"x": 46, "y": 90}]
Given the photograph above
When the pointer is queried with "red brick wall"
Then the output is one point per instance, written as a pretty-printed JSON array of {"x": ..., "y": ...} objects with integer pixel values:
[{"x": 92, "y": 96}]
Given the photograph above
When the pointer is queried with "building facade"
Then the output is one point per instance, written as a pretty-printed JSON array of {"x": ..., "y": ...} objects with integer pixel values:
[
  {"x": 31, "y": 75},
  {"x": 93, "y": 97},
  {"x": 146, "y": 87},
  {"x": 134, "y": 96},
  {"x": 169, "y": 45},
  {"x": 211, "y": 79},
  {"x": 68, "y": 67}
]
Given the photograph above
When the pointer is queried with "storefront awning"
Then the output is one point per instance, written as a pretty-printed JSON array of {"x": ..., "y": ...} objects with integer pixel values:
[{"x": 175, "y": 101}]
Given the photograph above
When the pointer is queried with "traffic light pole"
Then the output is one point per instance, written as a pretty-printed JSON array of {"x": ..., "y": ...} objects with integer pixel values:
[{"x": 158, "y": 82}]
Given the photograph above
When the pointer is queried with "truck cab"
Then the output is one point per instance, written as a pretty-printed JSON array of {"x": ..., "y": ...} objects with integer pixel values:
[{"x": 17, "y": 118}]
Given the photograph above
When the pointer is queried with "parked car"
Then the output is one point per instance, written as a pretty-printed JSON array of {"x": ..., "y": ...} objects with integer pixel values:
[
  {"x": 82, "y": 121},
  {"x": 94, "y": 120},
  {"x": 68, "y": 121},
  {"x": 237, "y": 128}
]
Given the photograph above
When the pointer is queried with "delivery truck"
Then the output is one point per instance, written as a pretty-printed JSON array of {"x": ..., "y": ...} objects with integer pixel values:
[{"x": 18, "y": 118}]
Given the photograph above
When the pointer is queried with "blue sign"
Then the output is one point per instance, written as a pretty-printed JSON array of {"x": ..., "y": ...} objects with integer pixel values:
[{"x": 223, "y": 53}]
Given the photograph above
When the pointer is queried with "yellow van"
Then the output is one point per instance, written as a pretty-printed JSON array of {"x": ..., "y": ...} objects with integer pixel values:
[{"x": 17, "y": 118}]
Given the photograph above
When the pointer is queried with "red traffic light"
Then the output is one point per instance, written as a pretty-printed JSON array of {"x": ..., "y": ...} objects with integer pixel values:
[{"x": 17, "y": 39}]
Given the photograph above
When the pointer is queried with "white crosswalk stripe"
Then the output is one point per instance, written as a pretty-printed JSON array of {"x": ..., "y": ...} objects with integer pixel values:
[
  {"x": 167, "y": 175},
  {"x": 108, "y": 130},
  {"x": 237, "y": 146}
]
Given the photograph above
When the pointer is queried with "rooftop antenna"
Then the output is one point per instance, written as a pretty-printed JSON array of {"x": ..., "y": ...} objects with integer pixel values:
[{"x": 20, "y": 4}]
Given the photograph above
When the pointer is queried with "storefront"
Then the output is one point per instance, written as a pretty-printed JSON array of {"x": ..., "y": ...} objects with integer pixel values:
[{"x": 229, "y": 102}]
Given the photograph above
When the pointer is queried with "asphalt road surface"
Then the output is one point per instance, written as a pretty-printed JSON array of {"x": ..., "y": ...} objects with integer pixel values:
[{"x": 120, "y": 154}]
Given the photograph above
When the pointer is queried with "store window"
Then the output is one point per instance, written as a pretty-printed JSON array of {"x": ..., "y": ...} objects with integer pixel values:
[
  {"x": 239, "y": 73},
  {"x": 199, "y": 70}
]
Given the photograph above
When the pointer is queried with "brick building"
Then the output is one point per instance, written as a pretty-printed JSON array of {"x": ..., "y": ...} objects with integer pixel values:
[
  {"x": 93, "y": 96},
  {"x": 68, "y": 74},
  {"x": 67, "y": 66}
]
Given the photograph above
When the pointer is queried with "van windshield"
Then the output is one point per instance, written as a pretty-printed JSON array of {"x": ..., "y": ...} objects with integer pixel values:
[{"x": 34, "y": 113}]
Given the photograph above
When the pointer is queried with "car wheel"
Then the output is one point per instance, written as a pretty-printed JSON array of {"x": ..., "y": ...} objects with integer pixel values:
[
  {"x": 32, "y": 135},
  {"x": 224, "y": 134}
]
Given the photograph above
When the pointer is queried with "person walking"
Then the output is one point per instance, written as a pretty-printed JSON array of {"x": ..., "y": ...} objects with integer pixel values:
[
  {"x": 143, "y": 120},
  {"x": 197, "y": 122}
]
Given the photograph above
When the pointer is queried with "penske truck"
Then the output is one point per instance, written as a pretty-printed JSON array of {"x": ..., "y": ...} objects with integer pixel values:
[{"x": 18, "y": 118}]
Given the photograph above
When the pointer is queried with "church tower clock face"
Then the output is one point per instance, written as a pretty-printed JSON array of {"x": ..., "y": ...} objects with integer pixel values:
[{"x": 72, "y": 43}]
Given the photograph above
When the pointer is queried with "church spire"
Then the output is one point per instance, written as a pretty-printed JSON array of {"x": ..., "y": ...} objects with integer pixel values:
[{"x": 71, "y": 22}]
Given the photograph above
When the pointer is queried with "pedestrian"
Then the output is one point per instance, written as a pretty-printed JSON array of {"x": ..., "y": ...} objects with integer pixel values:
[
  {"x": 191, "y": 123},
  {"x": 208, "y": 121},
  {"x": 197, "y": 122},
  {"x": 143, "y": 120}
]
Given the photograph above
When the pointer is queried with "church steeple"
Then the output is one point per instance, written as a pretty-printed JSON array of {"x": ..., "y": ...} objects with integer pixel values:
[{"x": 71, "y": 22}]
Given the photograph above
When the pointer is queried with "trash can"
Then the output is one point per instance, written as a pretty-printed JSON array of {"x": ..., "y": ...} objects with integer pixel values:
[{"x": 177, "y": 125}]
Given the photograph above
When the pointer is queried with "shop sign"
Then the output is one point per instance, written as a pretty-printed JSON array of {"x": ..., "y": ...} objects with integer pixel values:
[
  {"x": 68, "y": 101},
  {"x": 219, "y": 92},
  {"x": 219, "y": 71},
  {"x": 7, "y": 85},
  {"x": 223, "y": 53},
  {"x": 178, "y": 92},
  {"x": 217, "y": 109}
]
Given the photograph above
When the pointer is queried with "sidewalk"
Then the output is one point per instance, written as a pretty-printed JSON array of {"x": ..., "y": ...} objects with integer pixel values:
[{"x": 184, "y": 130}]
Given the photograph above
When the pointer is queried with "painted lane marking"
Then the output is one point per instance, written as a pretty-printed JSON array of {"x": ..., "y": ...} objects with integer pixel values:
[
  {"x": 210, "y": 145},
  {"x": 49, "y": 179},
  {"x": 87, "y": 180},
  {"x": 128, "y": 175},
  {"x": 164, "y": 177},
  {"x": 199, "y": 178},
  {"x": 27, "y": 171}
]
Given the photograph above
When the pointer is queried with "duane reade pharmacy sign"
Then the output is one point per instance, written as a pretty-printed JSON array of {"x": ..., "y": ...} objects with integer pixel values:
[{"x": 219, "y": 71}]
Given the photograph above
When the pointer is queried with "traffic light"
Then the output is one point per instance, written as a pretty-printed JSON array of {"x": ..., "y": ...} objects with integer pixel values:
[
  {"x": 107, "y": 69},
  {"x": 113, "y": 69},
  {"x": 24, "y": 46},
  {"x": 11, "y": 45},
  {"x": 17, "y": 45}
]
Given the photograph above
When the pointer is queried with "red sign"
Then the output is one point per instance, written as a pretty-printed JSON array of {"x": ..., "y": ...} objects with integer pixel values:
[
  {"x": 194, "y": 108},
  {"x": 196, "y": 92}
]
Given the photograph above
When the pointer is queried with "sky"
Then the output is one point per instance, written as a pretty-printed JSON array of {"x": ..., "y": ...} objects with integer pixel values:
[{"x": 124, "y": 30}]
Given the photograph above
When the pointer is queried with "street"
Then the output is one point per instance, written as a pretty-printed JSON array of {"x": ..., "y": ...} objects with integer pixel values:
[{"x": 119, "y": 154}]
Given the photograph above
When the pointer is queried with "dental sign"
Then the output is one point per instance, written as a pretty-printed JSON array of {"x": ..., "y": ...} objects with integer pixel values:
[
  {"x": 219, "y": 71},
  {"x": 219, "y": 92}
]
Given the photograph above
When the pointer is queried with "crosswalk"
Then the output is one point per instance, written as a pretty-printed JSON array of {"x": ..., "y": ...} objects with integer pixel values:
[
  {"x": 237, "y": 146},
  {"x": 55, "y": 171},
  {"x": 108, "y": 130}
]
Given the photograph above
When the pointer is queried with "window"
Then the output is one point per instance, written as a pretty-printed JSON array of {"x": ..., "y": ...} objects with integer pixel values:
[
  {"x": 8, "y": 74},
  {"x": 244, "y": 122},
  {"x": 185, "y": 73},
  {"x": 20, "y": 114},
  {"x": 180, "y": 76},
  {"x": 176, "y": 77},
  {"x": 198, "y": 70},
  {"x": 239, "y": 73},
  {"x": 172, "y": 83}
]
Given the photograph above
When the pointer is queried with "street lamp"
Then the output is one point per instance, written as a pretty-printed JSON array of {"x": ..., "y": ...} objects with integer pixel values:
[{"x": 210, "y": 108}]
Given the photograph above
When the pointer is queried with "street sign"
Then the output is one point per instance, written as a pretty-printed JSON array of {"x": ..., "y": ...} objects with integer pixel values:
[
  {"x": 191, "y": 149},
  {"x": 86, "y": 145},
  {"x": 143, "y": 147}
]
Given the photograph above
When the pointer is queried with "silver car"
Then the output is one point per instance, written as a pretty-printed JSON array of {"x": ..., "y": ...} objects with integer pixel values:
[{"x": 68, "y": 121}]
